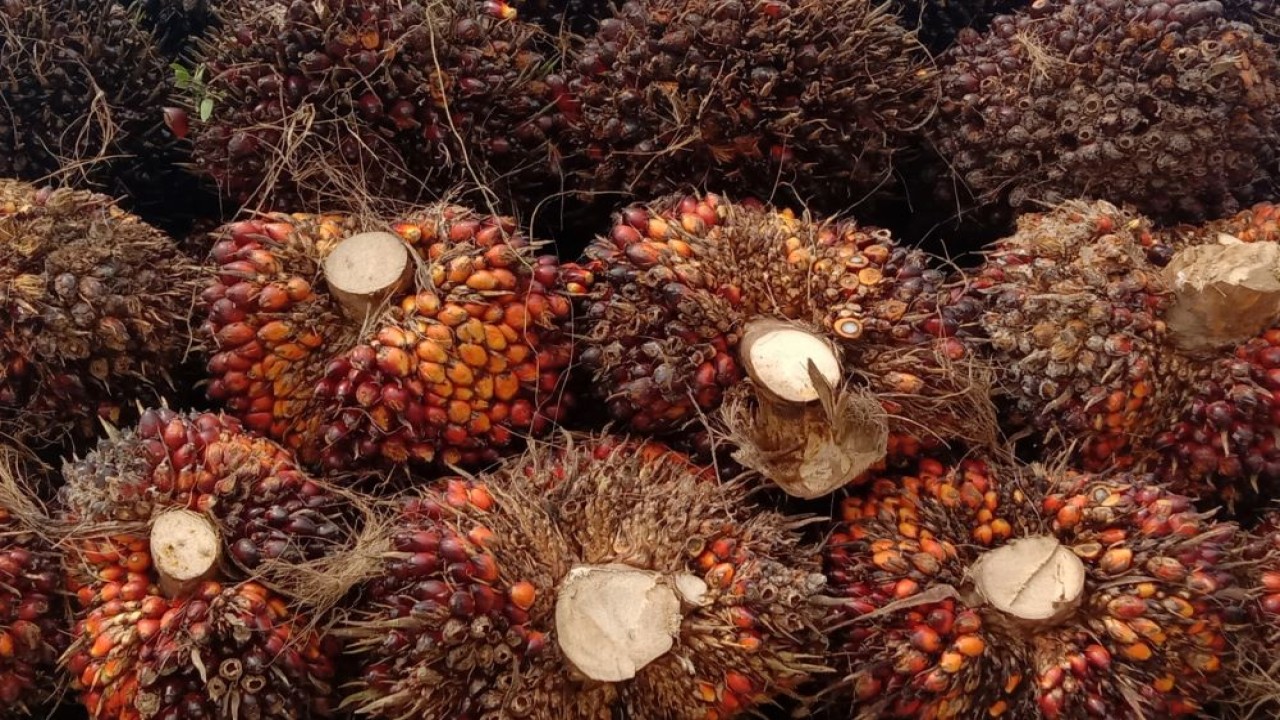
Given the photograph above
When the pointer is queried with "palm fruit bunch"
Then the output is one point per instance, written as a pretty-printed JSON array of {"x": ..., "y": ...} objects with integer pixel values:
[
  {"x": 1167, "y": 106},
  {"x": 452, "y": 365},
  {"x": 695, "y": 294},
  {"x": 309, "y": 102},
  {"x": 84, "y": 89},
  {"x": 594, "y": 580},
  {"x": 938, "y": 21},
  {"x": 33, "y": 629},
  {"x": 759, "y": 97},
  {"x": 94, "y": 302},
  {"x": 175, "y": 529},
  {"x": 1254, "y": 687},
  {"x": 976, "y": 590}
]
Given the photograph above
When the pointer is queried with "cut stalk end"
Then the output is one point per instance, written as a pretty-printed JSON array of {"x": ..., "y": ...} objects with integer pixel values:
[
  {"x": 612, "y": 620},
  {"x": 184, "y": 549},
  {"x": 365, "y": 269},
  {"x": 777, "y": 354},
  {"x": 1033, "y": 579},
  {"x": 1224, "y": 293}
]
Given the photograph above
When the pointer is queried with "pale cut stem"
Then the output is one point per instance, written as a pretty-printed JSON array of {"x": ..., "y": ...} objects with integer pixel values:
[
  {"x": 1224, "y": 293},
  {"x": 365, "y": 269},
  {"x": 776, "y": 354},
  {"x": 1033, "y": 579},
  {"x": 612, "y": 620},
  {"x": 185, "y": 550}
]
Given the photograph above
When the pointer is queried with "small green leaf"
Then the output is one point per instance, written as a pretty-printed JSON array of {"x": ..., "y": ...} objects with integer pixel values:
[
  {"x": 206, "y": 109},
  {"x": 181, "y": 75},
  {"x": 199, "y": 75}
]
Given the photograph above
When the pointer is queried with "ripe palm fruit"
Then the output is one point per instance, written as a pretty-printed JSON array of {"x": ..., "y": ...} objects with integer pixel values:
[
  {"x": 938, "y": 21},
  {"x": 33, "y": 630},
  {"x": 673, "y": 92},
  {"x": 971, "y": 591},
  {"x": 623, "y": 566},
  {"x": 384, "y": 98},
  {"x": 1113, "y": 100},
  {"x": 450, "y": 371},
  {"x": 84, "y": 88},
  {"x": 696, "y": 294},
  {"x": 94, "y": 302},
  {"x": 167, "y": 520}
]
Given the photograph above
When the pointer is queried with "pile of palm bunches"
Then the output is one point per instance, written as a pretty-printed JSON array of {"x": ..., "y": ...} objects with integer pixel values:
[
  {"x": 601, "y": 579},
  {"x": 695, "y": 296},
  {"x": 453, "y": 366},
  {"x": 1140, "y": 348},
  {"x": 94, "y": 303},
  {"x": 982, "y": 591},
  {"x": 33, "y": 628},
  {"x": 402, "y": 99},
  {"x": 83, "y": 87},
  {"x": 806, "y": 99},
  {"x": 168, "y": 524},
  {"x": 1168, "y": 106}
]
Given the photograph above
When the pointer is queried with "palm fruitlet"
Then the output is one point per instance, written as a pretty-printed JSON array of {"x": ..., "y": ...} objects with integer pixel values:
[
  {"x": 84, "y": 88},
  {"x": 695, "y": 295},
  {"x": 600, "y": 579},
  {"x": 175, "y": 528},
  {"x": 977, "y": 591},
  {"x": 94, "y": 302},
  {"x": 34, "y": 627},
  {"x": 814, "y": 101},
  {"x": 314, "y": 103},
  {"x": 1167, "y": 106},
  {"x": 439, "y": 337}
]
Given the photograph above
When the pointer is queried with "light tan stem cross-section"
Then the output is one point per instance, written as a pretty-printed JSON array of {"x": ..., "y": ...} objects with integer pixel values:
[
  {"x": 1032, "y": 579},
  {"x": 1224, "y": 293},
  {"x": 184, "y": 548},
  {"x": 365, "y": 269},
  {"x": 776, "y": 355}
]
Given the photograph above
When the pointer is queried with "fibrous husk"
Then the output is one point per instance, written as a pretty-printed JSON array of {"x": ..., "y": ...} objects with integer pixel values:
[
  {"x": 762, "y": 99},
  {"x": 463, "y": 619},
  {"x": 1169, "y": 107},
  {"x": 922, "y": 629},
  {"x": 34, "y": 623},
  {"x": 315, "y": 105},
  {"x": 84, "y": 89},
  {"x": 467, "y": 356},
  {"x": 680, "y": 284},
  {"x": 96, "y": 312}
]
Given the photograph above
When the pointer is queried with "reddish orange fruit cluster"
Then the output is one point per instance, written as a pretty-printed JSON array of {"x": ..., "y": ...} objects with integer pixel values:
[{"x": 32, "y": 634}]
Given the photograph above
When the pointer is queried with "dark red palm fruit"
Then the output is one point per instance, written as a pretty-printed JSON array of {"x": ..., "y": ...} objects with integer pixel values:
[
  {"x": 34, "y": 627},
  {"x": 1072, "y": 319},
  {"x": 766, "y": 98},
  {"x": 149, "y": 645},
  {"x": 314, "y": 103},
  {"x": 463, "y": 368},
  {"x": 463, "y": 619},
  {"x": 682, "y": 282},
  {"x": 926, "y": 633},
  {"x": 1118, "y": 101},
  {"x": 95, "y": 306}
]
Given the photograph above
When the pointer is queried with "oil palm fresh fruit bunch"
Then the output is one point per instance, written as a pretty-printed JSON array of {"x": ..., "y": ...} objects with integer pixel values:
[
  {"x": 585, "y": 581},
  {"x": 1254, "y": 685},
  {"x": 1141, "y": 348},
  {"x": 85, "y": 89},
  {"x": 176, "y": 23},
  {"x": 177, "y": 528},
  {"x": 758, "y": 98},
  {"x": 95, "y": 304},
  {"x": 696, "y": 295},
  {"x": 978, "y": 590},
  {"x": 440, "y": 337},
  {"x": 560, "y": 16},
  {"x": 1169, "y": 107},
  {"x": 35, "y": 625},
  {"x": 313, "y": 105},
  {"x": 937, "y": 22}
]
